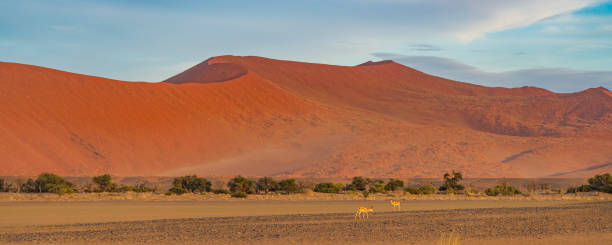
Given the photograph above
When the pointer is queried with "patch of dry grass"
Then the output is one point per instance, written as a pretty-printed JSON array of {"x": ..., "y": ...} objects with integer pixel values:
[
  {"x": 8, "y": 197},
  {"x": 451, "y": 238}
]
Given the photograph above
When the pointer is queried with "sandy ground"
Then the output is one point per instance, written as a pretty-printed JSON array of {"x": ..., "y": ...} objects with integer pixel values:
[
  {"x": 304, "y": 222},
  {"x": 22, "y": 214}
]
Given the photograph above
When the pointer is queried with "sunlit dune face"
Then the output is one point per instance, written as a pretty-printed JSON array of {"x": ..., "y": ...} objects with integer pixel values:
[{"x": 255, "y": 116}]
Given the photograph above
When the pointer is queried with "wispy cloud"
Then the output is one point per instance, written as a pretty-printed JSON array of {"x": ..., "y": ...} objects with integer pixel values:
[
  {"x": 424, "y": 47},
  {"x": 555, "y": 79}
]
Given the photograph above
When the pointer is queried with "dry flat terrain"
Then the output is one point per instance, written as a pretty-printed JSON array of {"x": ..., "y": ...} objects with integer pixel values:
[
  {"x": 304, "y": 222},
  {"x": 255, "y": 116}
]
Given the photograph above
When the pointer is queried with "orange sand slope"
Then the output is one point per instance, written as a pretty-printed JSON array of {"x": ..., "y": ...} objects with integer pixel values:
[{"x": 256, "y": 116}]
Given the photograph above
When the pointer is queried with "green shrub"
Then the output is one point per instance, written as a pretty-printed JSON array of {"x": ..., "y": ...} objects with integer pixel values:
[
  {"x": 365, "y": 194},
  {"x": 140, "y": 188},
  {"x": 394, "y": 184},
  {"x": 601, "y": 183},
  {"x": 413, "y": 191},
  {"x": 422, "y": 190},
  {"x": 47, "y": 182},
  {"x": 191, "y": 184},
  {"x": 328, "y": 187},
  {"x": 176, "y": 190},
  {"x": 451, "y": 182},
  {"x": 104, "y": 183},
  {"x": 242, "y": 184},
  {"x": 29, "y": 186},
  {"x": 427, "y": 189},
  {"x": 220, "y": 191},
  {"x": 358, "y": 184},
  {"x": 2, "y": 185},
  {"x": 239, "y": 195},
  {"x": 503, "y": 189},
  {"x": 288, "y": 186},
  {"x": 377, "y": 188},
  {"x": 266, "y": 184}
]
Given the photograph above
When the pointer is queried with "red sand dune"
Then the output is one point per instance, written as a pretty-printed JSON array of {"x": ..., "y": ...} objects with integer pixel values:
[{"x": 256, "y": 116}]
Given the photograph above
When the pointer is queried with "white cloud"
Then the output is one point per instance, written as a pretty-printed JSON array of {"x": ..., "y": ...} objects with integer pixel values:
[
  {"x": 466, "y": 20},
  {"x": 503, "y": 15},
  {"x": 555, "y": 79}
]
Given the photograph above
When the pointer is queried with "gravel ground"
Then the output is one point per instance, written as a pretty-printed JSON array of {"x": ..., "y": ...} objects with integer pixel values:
[{"x": 338, "y": 228}]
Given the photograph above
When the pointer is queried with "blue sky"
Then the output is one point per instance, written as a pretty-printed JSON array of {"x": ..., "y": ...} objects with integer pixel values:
[{"x": 562, "y": 45}]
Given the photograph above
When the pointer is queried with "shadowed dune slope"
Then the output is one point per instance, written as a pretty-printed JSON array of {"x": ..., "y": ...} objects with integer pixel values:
[{"x": 256, "y": 116}]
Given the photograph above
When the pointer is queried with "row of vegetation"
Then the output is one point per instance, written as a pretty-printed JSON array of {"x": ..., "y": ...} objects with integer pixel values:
[
  {"x": 240, "y": 186},
  {"x": 602, "y": 183}
]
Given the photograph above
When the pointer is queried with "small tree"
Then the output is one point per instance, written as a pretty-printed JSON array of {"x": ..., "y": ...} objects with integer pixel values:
[
  {"x": 104, "y": 183},
  {"x": 328, "y": 187},
  {"x": 19, "y": 184},
  {"x": 451, "y": 182},
  {"x": 190, "y": 183},
  {"x": 266, "y": 184},
  {"x": 288, "y": 186},
  {"x": 358, "y": 184},
  {"x": 2, "y": 185},
  {"x": 376, "y": 186},
  {"x": 394, "y": 184},
  {"x": 601, "y": 183},
  {"x": 242, "y": 184},
  {"x": 29, "y": 186},
  {"x": 47, "y": 182}
]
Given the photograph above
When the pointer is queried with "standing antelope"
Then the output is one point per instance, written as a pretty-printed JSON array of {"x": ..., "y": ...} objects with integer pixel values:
[
  {"x": 362, "y": 212},
  {"x": 395, "y": 204}
]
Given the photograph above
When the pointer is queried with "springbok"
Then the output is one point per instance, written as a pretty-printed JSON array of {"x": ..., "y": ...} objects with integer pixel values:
[
  {"x": 396, "y": 204},
  {"x": 362, "y": 212}
]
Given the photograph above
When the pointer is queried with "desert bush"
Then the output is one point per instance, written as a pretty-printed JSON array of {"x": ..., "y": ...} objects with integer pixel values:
[
  {"x": 601, "y": 183},
  {"x": 422, "y": 190},
  {"x": 358, "y": 184},
  {"x": 451, "y": 182},
  {"x": 582, "y": 188},
  {"x": 394, "y": 184},
  {"x": 140, "y": 188},
  {"x": 288, "y": 186},
  {"x": 503, "y": 189},
  {"x": 242, "y": 184},
  {"x": 176, "y": 190},
  {"x": 377, "y": 188},
  {"x": 328, "y": 187},
  {"x": 104, "y": 183},
  {"x": 47, "y": 182},
  {"x": 413, "y": 191},
  {"x": 29, "y": 186},
  {"x": 188, "y": 183},
  {"x": 18, "y": 184},
  {"x": 239, "y": 195},
  {"x": 2, "y": 185},
  {"x": 220, "y": 191},
  {"x": 266, "y": 184},
  {"x": 365, "y": 194},
  {"x": 306, "y": 185},
  {"x": 427, "y": 189}
]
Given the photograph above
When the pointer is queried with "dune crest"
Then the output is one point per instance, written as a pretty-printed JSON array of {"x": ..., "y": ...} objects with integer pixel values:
[{"x": 257, "y": 116}]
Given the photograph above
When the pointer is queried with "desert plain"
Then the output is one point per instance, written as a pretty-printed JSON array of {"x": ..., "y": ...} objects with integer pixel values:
[{"x": 306, "y": 219}]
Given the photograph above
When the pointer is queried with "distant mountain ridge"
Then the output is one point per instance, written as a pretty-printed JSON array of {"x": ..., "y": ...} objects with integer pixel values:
[{"x": 257, "y": 116}]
